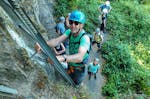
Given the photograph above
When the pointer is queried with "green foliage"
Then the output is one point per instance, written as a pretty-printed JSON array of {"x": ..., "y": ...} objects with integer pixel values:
[
  {"x": 117, "y": 55},
  {"x": 109, "y": 89},
  {"x": 127, "y": 51},
  {"x": 90, "y": 9},
  {"x": 118, "y": 68},
  {"x": 122, "y": 71}
]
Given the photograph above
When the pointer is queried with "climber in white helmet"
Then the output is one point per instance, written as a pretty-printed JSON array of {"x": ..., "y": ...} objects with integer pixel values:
[{"x": 104, "y": 10}]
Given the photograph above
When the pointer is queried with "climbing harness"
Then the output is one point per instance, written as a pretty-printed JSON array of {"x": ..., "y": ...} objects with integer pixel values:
[
  {"x": 71, "y": 69},
  {"x": 21, "y": 20}
]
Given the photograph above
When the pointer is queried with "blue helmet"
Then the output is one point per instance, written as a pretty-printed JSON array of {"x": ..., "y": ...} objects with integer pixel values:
[
  {"x": 77, "y": 16},
  {"x": 96, "y": 59},
  {"x": 97, "y": 30},
  {"x": 62, "y": 18}
]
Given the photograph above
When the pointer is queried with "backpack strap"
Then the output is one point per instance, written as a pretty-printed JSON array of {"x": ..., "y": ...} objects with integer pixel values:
[
  {"x": 69, "y": 35},
  {"x": 79, "y": 38},
  {"x": 89, "y": 38}
]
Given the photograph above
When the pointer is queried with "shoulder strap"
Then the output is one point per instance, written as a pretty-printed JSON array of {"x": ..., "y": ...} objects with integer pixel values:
[
  {"x": 69, "y": 35},
  {"x": 79, "y": 38},
  {"x": 90, "y": 41},
  {"x": 82, "y": 36}
]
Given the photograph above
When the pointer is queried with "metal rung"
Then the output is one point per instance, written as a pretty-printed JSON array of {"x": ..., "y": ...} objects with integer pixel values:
[
  {"x": 7, "y": 96},
  {"x": 8, "y": 90}
]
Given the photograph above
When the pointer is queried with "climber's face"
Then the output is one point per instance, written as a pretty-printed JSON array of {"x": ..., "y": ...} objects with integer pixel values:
[
  {"x": 75, "y": 26},
  {"x": 95, "y": 62}
]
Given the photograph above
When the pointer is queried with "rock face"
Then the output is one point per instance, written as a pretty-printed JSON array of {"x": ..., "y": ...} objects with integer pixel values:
[
  {"x": 32, "y": 78},
  {"x": 43, "y": 12},
  {"x": 17, "y": 70}
]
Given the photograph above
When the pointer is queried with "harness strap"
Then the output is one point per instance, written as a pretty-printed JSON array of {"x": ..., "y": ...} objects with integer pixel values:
[{"x": 71, "y": 69}]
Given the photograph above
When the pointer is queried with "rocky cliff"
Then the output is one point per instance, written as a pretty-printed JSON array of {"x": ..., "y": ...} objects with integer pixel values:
[{"x": 29, "y": 78}]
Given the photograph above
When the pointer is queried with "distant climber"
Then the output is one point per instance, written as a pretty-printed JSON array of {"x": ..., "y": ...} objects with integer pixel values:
[
  {"x": 93, "y": 68},
  {"x": 67, "y": 20},
  {"x": 79, "y": 44},
  {"x": 98, "y": 38},
  {"x": 67, "y": 25},
  {"x": 60, "y": 27},
  {"x": 104, "y": 10},
  {"x": 102, "y": 22}
]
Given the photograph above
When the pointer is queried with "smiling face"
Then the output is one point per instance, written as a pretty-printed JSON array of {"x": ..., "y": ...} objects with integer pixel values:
[{"x": 75, "y": 26}]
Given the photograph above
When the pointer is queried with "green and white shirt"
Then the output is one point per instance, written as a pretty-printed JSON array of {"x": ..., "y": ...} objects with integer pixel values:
[{"x": 75, "y": 43}]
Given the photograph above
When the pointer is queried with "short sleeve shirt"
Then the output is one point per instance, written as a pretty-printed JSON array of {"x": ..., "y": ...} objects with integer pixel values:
[
  {"x": 103, "y": 6},
  {"x": 61, "y": 27},
  {"x": 93, "y": 68},
  {"x": 73, "y": 47}
]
